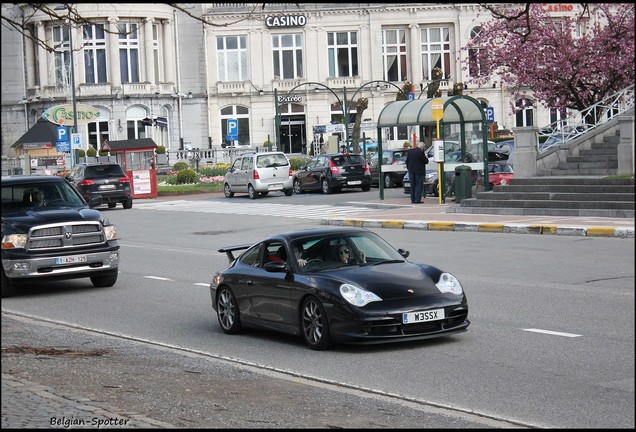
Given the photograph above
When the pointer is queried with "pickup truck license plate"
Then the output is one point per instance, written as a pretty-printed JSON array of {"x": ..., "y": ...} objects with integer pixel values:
[
  {"x": 418, "y": 317},
  {"x": 71, "y": 259}
]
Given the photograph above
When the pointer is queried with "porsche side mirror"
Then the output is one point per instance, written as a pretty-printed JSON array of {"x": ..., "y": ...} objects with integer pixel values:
[
  {"x": 404, "y": 253},
  {"x": 276, "y": 267}
]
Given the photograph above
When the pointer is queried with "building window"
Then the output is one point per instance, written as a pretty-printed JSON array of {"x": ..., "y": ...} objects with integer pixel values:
[
  {"x": 524, "y": 113},
  {"x": 342, "y": 49},
  {"x": 474, "y": 64},
  {"x": 62, "y": 56},
  {"x": 394, "y": 55},
  {"x": 231, "y": 54},
  {"x": 436, "y": 51},
  {"x": 95, "y": 54},
  {"x": 156, "y": 53},
  {"x": 135, "y": 128},
  {"x": 97, "y": 134},
  {"x": 288, "y": 56},
  {"x": 129, "y": 52},
  {"x": 242, "y": 114}
]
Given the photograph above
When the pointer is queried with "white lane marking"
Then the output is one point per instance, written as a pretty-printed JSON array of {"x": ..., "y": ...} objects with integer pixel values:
[
  {"x": 202, "y": 284},
  {"x": 572, "y": 335},
  {"x": 158, "y": 278}
]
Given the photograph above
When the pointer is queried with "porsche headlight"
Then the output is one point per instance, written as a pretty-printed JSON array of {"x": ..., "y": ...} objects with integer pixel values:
[
  {"x": 13, "y": 241},
  {"x": 357, "y": 296},
  {"x": 449, "y": 284},
  {"x": 217, "y": 279}
]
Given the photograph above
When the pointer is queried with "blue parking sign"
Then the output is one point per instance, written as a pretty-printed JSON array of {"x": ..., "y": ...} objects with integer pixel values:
[
  {"x": 232, "y": 130},
  {"x": 62, "y": 133},
  {"x": 490, "y": 114}
]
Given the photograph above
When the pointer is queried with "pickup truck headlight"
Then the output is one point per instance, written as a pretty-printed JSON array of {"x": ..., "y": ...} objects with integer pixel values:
[
  {"x": 14, "y": 241},
  {"x": 110, "y": 231}
]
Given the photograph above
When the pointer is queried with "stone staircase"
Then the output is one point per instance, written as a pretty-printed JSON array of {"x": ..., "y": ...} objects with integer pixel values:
[
  {"x": 568, "y": 195},
  {"x": 600, "y": 159}
]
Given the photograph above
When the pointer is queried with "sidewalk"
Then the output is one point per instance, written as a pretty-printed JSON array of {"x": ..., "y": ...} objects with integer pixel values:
[
  {"x": 395, "y": 211},
  {"x": 431, "y": 215}
]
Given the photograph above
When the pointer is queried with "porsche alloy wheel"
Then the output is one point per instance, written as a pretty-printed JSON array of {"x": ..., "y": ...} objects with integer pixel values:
[
  {"x": 315, "y": 326},
  {"x": 227, "y": 312}
]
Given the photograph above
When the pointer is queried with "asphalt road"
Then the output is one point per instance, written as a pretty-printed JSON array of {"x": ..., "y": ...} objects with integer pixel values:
[{"x": 551, "y": 343}]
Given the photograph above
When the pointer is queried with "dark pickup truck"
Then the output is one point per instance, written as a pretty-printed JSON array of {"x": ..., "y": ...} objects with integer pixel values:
[{"x": 50, "y": 232}]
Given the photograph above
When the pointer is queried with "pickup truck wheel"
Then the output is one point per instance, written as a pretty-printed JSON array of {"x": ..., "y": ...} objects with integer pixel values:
[
  {"x": 8, "y": 290},
  {"x": 128, "y": 203},
  {"x": 105, "y": 280}
]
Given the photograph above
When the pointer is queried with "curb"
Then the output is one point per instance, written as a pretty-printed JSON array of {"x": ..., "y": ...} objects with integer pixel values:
[{"x": 484, "y": 227}]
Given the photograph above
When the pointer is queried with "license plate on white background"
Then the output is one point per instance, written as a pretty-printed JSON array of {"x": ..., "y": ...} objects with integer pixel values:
[
  {"x": 418, "y": 317},
  {"x": 355, "y": 182},
  {"x": 102, "y": 187},
  {"x": 71, "y": 259},
  {"x": 275, "y": 186}
]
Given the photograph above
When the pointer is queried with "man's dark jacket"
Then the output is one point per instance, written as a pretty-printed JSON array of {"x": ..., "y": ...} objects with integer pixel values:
[{"x": 416, "y": 161}]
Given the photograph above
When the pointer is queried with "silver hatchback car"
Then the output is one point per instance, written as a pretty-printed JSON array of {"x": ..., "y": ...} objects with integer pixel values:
[{"x": 259, "y": 174}]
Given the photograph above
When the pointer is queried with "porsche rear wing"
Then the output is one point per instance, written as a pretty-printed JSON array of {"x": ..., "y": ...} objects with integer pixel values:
[{"x": 229, "y": 249}]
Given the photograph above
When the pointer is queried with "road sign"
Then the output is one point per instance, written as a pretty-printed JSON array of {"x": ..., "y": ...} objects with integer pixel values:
[
  {"x": 490, "y": 114},
  {"x": 62, "y": 133},
  {"x": 232, "y": 130},
  {"x": 62, "y": 146},
  {"x": 76, "y": 140},
  {"x": 411, "y": 96}
]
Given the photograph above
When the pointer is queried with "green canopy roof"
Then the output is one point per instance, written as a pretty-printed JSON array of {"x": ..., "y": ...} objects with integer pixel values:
[{"x": 457, "y": 109}]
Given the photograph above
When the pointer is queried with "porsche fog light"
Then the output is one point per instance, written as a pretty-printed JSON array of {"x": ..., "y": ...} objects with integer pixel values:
[
  {"x": 449, "y": 284},
  {"x": 357, "y": 296}
]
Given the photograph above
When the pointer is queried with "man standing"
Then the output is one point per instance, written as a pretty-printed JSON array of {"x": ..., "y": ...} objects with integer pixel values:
[{"x": 416, "y": 161}]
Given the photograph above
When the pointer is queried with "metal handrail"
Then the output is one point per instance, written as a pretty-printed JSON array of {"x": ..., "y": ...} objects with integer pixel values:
[{"x": 580, "y": 122}]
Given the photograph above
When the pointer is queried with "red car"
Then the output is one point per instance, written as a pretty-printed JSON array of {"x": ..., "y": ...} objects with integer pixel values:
[{"x": 499, "y": 173}]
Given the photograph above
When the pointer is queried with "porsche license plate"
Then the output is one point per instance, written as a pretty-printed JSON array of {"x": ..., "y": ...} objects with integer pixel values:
[
  {"x": 71, "y": 259},
  {"x": 275, "y": 186},
  {"x": 418, "y": 317},
  {"x": 355, "y": 182}
]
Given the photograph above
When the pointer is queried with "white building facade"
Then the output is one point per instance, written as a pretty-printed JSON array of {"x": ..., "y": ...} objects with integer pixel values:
[{"x": 278, "y": 72}]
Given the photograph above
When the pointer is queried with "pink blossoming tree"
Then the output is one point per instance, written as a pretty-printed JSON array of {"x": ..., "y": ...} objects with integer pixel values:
[{"x": 568, "y": 62}]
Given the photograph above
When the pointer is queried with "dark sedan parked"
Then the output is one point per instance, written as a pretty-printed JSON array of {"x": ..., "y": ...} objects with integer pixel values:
[
  {"x": 336, "y": 285},
  {"x": 333, "y": 172},
  {"x": 393, "y": 167},
  {"x": 105, "y": 179}
]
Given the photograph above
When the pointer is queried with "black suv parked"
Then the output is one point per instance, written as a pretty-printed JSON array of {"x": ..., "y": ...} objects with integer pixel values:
[
  {"x": 106, "y": 179},
  {"x": 332, "y": 172},
  {"x": 49, "y": 232}
]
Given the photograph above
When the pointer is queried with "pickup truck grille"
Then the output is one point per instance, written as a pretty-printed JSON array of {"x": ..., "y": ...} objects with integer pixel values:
[{"x": 65, "y": 236}]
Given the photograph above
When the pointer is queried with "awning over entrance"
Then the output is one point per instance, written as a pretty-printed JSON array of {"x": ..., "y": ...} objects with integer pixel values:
[
  {"x": 133, "y": 144},
  {"x": 43, "y": 134},
  {"x": 457, "y": 109}
]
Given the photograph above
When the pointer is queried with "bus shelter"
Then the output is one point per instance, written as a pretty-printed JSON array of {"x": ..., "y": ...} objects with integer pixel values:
[
  {"x": 463, "y": 128},
  {"x": 137, "y": 157}
]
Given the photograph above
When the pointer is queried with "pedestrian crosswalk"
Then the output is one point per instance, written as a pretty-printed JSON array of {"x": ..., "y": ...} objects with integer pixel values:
[{"x": 302, "y": 211}]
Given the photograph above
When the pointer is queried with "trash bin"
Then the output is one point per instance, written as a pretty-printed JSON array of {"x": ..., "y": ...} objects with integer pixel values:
[{"x": 463, "y": 182}]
